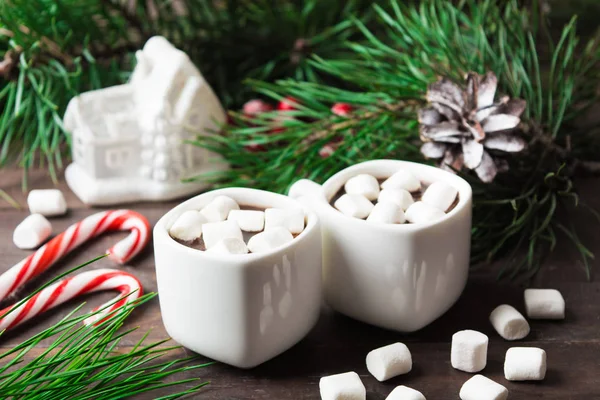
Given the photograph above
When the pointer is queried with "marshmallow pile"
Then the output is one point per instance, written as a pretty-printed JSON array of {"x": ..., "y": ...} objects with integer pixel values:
[
  {"x": 469, "y": 348},
  {"x": 34, "y": 230},
  {"x": 394, "y": 200},
  {"x": 468, "y": 353},
  {"x": 221, "y": 225}
]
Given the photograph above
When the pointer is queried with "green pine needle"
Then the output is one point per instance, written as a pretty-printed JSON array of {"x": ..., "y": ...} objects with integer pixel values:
[{"x": 84, "y": 361}]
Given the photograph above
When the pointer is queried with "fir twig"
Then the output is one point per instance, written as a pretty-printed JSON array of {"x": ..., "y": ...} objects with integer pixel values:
[
  {"x": 85, "y": 362},
  {"x": 56, "y": 50}
]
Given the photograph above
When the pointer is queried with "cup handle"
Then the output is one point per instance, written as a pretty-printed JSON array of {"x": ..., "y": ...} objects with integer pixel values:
[{"x": 307, "y": 192}]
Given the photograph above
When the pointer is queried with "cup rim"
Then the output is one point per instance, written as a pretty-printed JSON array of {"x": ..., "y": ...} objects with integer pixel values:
[
  {"x": 334, "y": 183},
  {"x": 161, "y": 227}
]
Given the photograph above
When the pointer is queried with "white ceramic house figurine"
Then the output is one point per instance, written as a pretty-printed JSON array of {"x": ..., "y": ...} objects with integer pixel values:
[{"x": 128, "y": 141}]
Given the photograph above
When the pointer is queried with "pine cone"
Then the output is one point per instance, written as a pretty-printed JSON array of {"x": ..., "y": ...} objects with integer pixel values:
[{"x": 461, "y": 126}]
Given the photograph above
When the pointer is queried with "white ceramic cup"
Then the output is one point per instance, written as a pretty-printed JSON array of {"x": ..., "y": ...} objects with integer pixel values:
[
  {"x": 400, "y": 277},
  {"x": 241, "y": 309}
]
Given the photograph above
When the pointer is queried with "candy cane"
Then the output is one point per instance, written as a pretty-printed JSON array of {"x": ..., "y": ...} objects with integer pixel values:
[
  {"x": 69, "y": 288},
  {"x": 70, "y": 239}
]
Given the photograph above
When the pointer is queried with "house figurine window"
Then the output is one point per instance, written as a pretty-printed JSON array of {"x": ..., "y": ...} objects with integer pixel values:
[{"x": 117, "y": 158}]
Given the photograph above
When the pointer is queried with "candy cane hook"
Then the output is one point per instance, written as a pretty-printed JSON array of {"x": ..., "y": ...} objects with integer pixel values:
[{"x": 64, "y": 243}]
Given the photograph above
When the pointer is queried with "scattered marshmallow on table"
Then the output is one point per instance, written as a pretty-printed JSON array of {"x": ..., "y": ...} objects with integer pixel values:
[
  {"x": 389, "y": 361},
  {"x": 268, "y": 240},
  {"x": 248, "y": 220},
  {"x": 440, "y": 195},
  {"x": 402, "y": 180},
  {"x": 346, "y": 386},
  {"x": 481, "y": 388},
  {"x": 405, "y": 393},
  {"x": 509, "y": 323},
  {"x": 229, "y": 246},
  {"x": 188, "y": 226},
  {"x": 48, "y": 202},
  {"x": 32, "y": 232},
  {"x": 214, "y": 232},
  {"x": 544, "y": 304},
  {"x": 354, "y": 205},
  {"x": 290, "y": 219},
  {"x": 469, "y": 351},
  {"x": 420, "y": 212},
  {"x": 401, "y": 197},
  {"x": 386, "y": 212},
  {"x": 218, "y": 209},
  {"x": 525, "y": 364},
  {"x": 364, "y": 184}
]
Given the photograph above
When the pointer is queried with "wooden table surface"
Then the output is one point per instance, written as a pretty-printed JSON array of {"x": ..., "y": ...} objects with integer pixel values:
[{"x": 338, "y": 344}]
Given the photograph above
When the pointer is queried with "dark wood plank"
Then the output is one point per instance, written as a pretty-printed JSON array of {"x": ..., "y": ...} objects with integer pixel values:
[{"x": 339, "y": 344}]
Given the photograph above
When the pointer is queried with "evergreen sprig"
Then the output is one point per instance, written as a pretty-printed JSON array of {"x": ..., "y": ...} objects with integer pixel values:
[
  {"x": 54, "y": 50},
  {"x": 514, "y": 217},
  {"x": 85, "y": 361}
]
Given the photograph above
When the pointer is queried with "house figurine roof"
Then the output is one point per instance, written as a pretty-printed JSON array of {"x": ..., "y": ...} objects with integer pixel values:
[{"x": 128, "y": 140}]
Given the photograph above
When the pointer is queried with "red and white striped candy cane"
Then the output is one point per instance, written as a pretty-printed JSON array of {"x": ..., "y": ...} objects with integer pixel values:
[
  {"x": 71, "y": 287},
  {"x": 75, "y": 235}
]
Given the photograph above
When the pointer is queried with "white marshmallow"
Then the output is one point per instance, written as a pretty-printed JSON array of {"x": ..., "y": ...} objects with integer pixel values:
[
  {"x": 440, "y": 195},
  {"x": 229, "y": 246},
  {"x": 248, "y": 220},
  {"x": 509, "y": 323},
  {"x": 346, "y": 386},
  {"x": 525, "y": 364},
  {"x": 269, "y": 240},
  {"x": 402, "y": 180},
  {"x": 354, "y": 205},
  {"x": 32, "y": 232},
  {"x": 469, "y": 351},
  {"x": 401, "y": 197},
  {"x": 481, "y": 388},
  {"x": 218, "y": 209},
  {"x": 405, "y": 393},
  {"x": 214, "y": 232},
  {"x": 48, "y": 202},
  {"x": 389, "y": 361},
  {"x": 386, "y": 213},
  {"x": 420, "y": 212},
  {"x": 188, "y": 226},
  {"x": 290, "y": 219},
  {"x": 544, "y": 304},
  {"x": 364, "y": 184}
]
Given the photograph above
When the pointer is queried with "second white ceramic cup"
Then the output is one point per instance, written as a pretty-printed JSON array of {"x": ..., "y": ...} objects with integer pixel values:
[{"x": 400, "y": 277}]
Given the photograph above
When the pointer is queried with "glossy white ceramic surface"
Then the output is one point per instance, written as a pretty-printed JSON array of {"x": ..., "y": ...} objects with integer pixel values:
[
  {"x": 241, "y": 309},
  {"x": 400, "y": 277}
]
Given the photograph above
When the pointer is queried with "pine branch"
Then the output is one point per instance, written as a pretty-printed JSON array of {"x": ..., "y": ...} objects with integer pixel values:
[
  {"x": 56, "y": 50},
  {"x": 515, "y": 217},
  {"x": 84, "y": 361}
]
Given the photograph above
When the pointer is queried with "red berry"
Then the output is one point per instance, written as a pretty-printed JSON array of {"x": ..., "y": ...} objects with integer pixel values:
[
  {"x": 341, "y": 109},
  {"x": 287, "y": 104},
  {"x": 256, "y": 106},
  {"x": 326, "y": 151},
  {"x": 255, "y": 147}
]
